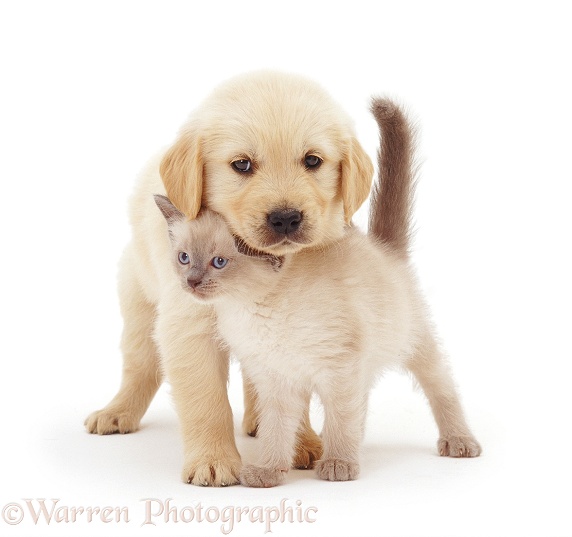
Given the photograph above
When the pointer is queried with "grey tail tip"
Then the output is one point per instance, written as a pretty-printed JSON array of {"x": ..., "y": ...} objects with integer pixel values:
[{"x": 383, "y": 108}]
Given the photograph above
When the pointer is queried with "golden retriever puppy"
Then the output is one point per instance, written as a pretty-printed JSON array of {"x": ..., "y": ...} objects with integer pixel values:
[{"x": 276, "y": 156}]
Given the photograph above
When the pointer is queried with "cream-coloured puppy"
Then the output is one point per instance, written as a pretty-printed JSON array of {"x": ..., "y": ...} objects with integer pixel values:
[
  {"x": 279, "y": 159},
  {"x": 328, "y": 320}
]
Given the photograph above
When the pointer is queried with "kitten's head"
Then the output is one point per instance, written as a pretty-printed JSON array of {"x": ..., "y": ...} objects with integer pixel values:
[{"x": 208, "y": 259}]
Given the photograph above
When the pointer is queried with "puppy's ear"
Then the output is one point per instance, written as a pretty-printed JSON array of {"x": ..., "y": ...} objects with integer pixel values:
[
  {"x": 357, "y": 176},
  {"x": 170, "y": 212},
  {"x": 182, "y": 173}
]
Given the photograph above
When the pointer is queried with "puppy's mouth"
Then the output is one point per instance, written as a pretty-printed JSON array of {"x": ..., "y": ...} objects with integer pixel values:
[
  {"x": 280, "y": 246},
  {"x": 285, "y": 228},
  {"x": 270, "y": 242}
]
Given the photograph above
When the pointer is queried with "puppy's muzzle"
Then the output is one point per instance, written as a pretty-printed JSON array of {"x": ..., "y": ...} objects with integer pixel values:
[{"x": 285, "y": 222}]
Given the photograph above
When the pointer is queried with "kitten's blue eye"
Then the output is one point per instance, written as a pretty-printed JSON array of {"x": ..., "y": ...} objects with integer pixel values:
[
  {"x": 184, "y": 258},
  {"x": 219, "y": 262}
]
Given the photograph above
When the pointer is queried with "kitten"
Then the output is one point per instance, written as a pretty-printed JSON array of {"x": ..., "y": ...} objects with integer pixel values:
[{"x": 327, "y": 320}]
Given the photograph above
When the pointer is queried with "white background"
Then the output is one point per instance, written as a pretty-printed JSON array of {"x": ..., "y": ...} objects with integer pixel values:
[{"x": 89, "y": 91}]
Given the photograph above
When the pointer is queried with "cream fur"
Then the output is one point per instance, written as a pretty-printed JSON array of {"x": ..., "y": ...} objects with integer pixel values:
[
  {"x": 335, "y": 320},
  {"x": 274, "y": 120},
  {"x": 329, "y": 320}
]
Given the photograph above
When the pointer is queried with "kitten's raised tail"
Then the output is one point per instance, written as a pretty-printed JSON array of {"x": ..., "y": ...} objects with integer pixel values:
[{"x": 392, "y": 195}]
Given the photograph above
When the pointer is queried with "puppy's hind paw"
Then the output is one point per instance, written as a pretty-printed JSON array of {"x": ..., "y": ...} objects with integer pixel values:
[
  {"x": 250, "y": 424},
  {"x": 261, "y": 477},
  {"x": 308, "y": 449},
  {"x": 111, "y": 420},
  {"x": 337, "y": 470},
  {"x": 458, "y": 446}
]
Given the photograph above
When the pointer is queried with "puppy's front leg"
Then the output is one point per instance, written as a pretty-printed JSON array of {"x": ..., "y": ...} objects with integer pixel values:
[
  {"x": 281, "y": 408},
  {"x": 198, "y": 372}
]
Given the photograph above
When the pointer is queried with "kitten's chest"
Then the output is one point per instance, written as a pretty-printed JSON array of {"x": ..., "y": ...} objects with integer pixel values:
[
  {"x": 263, "y": 337},
  {"x": 252, "y": 328}
]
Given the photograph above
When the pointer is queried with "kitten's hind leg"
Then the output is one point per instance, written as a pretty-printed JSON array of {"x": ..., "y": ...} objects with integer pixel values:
[
  {"x": 142, "y": 375},
  {"x": 430, "y": 368}
]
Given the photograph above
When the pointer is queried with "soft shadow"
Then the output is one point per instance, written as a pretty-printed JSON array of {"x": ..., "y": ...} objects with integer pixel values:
[{"x": 393, "y": 454}]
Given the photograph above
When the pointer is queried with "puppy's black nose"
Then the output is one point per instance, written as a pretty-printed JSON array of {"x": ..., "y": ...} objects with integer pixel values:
[{"x": 284, "y": 222}]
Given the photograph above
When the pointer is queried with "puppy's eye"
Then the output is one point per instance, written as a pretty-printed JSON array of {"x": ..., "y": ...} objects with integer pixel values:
[
  {"x": 219, "y": 262},
  {"x": 242, "y": 165},
  {"x": 312, "y": 162},
  {"x": 184, "y": 258}
]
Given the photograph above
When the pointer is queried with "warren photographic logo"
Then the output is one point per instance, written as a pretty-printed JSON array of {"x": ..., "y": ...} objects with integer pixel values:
[{"x": 156, "y": 512}]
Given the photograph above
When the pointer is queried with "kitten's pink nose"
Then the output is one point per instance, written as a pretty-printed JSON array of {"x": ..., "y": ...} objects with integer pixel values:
[{"x": 193, "y": 283}]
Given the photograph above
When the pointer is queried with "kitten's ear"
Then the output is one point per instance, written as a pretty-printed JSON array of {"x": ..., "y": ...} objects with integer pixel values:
[{"x": 170, "y": 212}]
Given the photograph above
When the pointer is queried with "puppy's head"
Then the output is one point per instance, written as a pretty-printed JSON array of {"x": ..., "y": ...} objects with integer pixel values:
[{"x": 276, "y": 156}]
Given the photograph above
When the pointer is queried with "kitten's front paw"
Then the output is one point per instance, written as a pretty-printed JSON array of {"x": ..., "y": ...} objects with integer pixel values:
[
  {"x": 211, "y": 472},
  {"x": 337, "y": 470},
  {"x": 259, "y": 476},
  {"x": 458, "y": 446},
  {"x": 112, "y": 420}
]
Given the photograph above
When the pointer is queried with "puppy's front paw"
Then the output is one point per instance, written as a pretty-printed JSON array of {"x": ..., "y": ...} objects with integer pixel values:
[
  {"x": 337, "y": 470},
  {"x": 259, "y": 476},
  {"x": 210, "y": 472},
  {"x": 458, "y": 446},
  {"x": 112, "y": 420}
]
